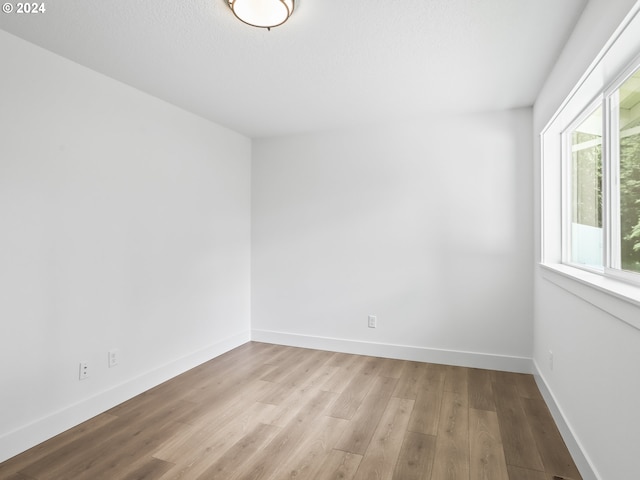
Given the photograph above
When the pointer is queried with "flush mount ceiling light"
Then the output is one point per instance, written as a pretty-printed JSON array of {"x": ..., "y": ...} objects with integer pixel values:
[{"x": 262, "y": 13}]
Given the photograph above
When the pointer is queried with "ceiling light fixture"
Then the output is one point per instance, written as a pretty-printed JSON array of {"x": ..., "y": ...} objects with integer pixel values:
[{"x": 262, "y": 13}]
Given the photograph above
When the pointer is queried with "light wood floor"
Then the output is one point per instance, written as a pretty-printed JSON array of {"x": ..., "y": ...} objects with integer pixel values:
[{"x": 271, "y": 412}]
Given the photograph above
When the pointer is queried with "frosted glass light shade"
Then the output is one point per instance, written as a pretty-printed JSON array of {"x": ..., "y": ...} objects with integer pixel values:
[{"x": 262, "y": 13}]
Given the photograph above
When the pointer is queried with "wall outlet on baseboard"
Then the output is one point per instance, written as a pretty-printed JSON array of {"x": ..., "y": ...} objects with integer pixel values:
[{"x": 373, "y": 321}]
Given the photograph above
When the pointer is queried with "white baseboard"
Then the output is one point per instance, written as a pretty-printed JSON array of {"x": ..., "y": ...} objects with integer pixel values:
[
  {"x": 30, "y": 435},
  {"x": 401, "y": 352},
  {"x": 585, "y": 467}
]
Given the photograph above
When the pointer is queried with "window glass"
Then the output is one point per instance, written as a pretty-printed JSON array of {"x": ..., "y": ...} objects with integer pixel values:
[
  {"x": 586, "y": 192},
  {"x": 629, "y": 187}
]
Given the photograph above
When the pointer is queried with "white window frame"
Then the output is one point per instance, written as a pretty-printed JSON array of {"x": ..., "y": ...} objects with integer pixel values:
[
  {"x": 611, "y": 132},
  {"x": 566, "y": 160},
  {"x": 611, "y": 290}
]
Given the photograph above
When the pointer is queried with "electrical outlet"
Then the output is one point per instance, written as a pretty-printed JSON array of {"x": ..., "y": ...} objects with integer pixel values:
[
  {"x": 84, "y": 370},
  {"x": 114, "y": 357},
  {"x": 373, "y": 321},
  {"x": 551, "y": 360}
]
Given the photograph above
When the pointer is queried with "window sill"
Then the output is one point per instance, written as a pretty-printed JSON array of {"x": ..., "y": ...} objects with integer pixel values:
[{"x": 617, "y": 298}]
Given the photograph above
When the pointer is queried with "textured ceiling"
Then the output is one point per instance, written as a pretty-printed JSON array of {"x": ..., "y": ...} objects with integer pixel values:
[{"x": 335, "y": 63}]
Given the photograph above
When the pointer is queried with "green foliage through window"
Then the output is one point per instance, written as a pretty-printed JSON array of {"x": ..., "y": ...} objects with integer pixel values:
[
  {"x": 588, "y": 205},
  {"x": 630, "y": 199}
]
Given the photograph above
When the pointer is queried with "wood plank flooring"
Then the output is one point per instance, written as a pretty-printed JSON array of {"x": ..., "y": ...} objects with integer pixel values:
[{"x": 269, "y": 412}]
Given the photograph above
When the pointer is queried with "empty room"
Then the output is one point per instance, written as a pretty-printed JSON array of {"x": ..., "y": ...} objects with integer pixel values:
[{"x": 304, "y": 239}]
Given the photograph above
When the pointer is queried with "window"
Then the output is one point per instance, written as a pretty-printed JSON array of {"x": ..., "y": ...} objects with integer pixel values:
[
  {"x": 625, "y": 113},
  {"x": 584, "y": 186},
  {"x": 601, "y": 186},
  {"x": 590, "y": 181}
]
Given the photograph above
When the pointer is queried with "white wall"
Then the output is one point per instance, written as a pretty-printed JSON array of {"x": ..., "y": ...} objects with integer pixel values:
[
  {"x": 595, "y": 381},
  {"x": 426, "y": 225},
  {"x": 124, "y": 222}
]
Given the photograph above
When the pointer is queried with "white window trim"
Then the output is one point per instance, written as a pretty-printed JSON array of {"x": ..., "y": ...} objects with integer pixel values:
[
  {"x": 565, "y": 159},
  {"x": 617, "y": 298},
  {"x": 611, "y": 174},
  {"x": 611, "y": 293}
]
